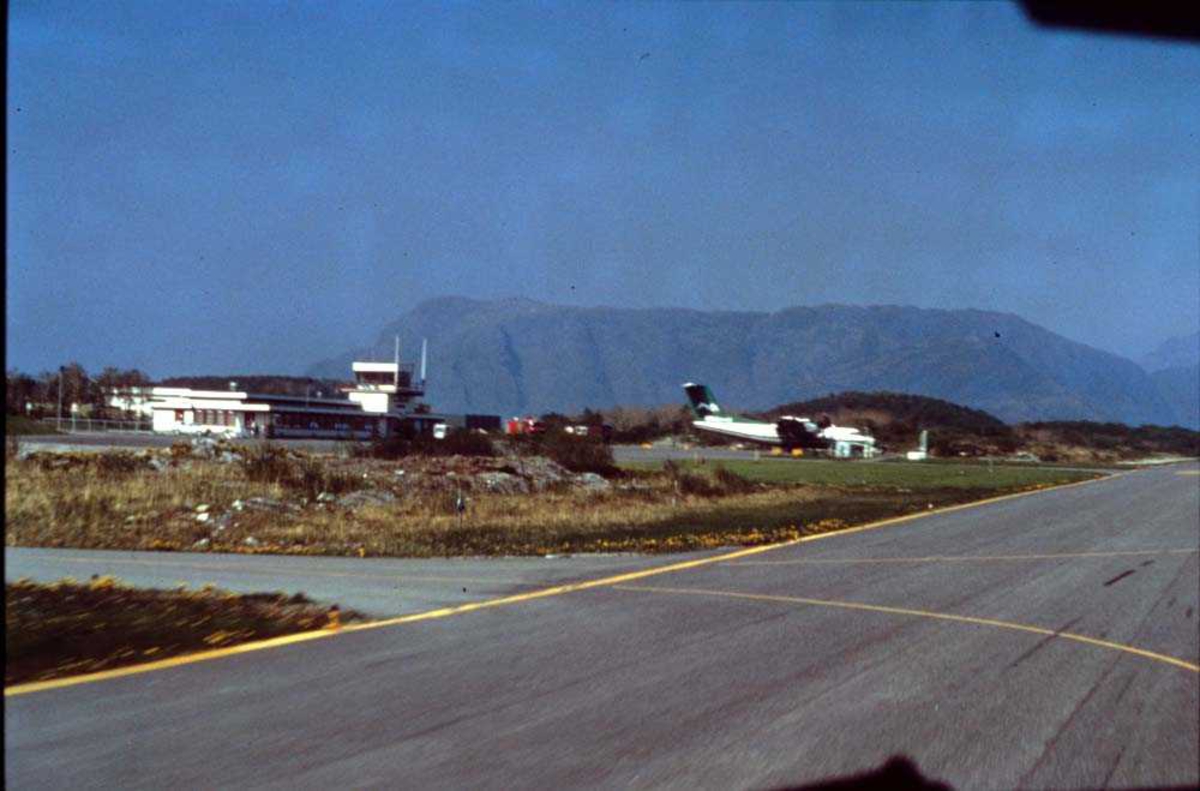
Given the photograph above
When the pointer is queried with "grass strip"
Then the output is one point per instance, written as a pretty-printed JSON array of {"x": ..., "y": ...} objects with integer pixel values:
[
  {"x": 912, "y": 475},
  {"x": 67, "y": 628},
  {"x": 20, "y": 426}
]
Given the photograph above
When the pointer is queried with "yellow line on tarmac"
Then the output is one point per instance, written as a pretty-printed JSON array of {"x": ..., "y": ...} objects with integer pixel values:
[
  {"x": 969, "y": 558},
  {"x": 688, "y": 564},
  {"x": 1188, "y": 472},
  {"x": 444, "y": 612},
  {"x": 1170, "y": 660},
  {"x": 558, "y": 590},
  {"x": 163, "y": 664}
]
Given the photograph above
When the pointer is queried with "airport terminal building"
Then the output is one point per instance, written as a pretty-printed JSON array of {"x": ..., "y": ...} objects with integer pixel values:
[{"x": 383, "y": 400}]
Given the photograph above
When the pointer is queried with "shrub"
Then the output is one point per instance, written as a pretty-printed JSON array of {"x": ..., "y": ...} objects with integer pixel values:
[
  {"x": 691, "y": 483},
  {"x": 460, "y": 442},
  {"x": 688, "y": 482},
  {"x": 463, "y": 442},
  {"x": 722, "y": 481},
  {"x": 114, "y": 465},
  {"x": 577, "y": 454},
  {"x": 272, "y": 464},
  {"x": 730, "y": 482},
  {"x": 312, "y": 478},
  {"x": 267, "y": 463}
]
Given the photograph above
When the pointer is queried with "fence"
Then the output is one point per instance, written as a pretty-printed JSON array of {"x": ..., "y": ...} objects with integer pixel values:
[{"x": 79, "y": 425}]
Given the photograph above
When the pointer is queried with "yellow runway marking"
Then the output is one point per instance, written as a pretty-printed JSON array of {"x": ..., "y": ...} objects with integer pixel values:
[
  {"x": 163, "y": 664},
  {"x": 443, "y": 612},
  {"x": 1188, "y": 472},
  {"x": 573, "y": 586},
  {"x": 557, "y": 590},
  {"x": 689, "y": 564},
  {"x": 1170, "y": 660},
  {"x": 969, "y": 558}
]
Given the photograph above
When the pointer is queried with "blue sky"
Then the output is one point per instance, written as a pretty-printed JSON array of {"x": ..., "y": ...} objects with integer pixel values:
[{"x": 253, "y": 186}]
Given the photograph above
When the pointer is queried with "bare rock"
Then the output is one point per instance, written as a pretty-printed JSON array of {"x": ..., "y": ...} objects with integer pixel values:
[
  {"x": 593, "y": 482},
  {"x": 501, "y": 483},
  {"x": 267, "y": 504},
  {"x": 366, "y": 497}
]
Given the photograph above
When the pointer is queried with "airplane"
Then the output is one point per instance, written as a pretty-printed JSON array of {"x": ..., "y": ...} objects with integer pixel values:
[{"x": 788, "y": 431}]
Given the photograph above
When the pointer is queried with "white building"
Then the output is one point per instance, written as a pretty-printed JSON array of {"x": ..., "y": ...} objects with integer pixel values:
[
  {"x": 131, "y": 399},
  {"x": 848, "y": 443},
  {"x": 383, "y": 399},
  {"x": 922, "y": 451}
]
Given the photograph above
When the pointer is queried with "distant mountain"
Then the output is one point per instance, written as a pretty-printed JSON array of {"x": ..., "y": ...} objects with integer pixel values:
[
  {"x": 1180, "y": 388},
  {"x": 1178, "y": 352},
  {"x": 1174, "y": 367},
  {"x": 518, "y": 356}
]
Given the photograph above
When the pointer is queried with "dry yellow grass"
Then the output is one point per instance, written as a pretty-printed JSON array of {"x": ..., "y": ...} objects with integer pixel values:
[
  {"x": 142, "y": 509},
  {"x": 67, "y": 628}
]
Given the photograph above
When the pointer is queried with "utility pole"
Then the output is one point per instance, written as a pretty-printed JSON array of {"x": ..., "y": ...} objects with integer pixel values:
[{"x": 60, "y": 378}]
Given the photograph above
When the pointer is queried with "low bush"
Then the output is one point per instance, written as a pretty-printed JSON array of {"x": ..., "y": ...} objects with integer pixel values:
[
  {"x": 272, "y": 464},
  {"x": 116, "y": 465},
  {"x": 577, "y": 454},
  {"x": 460, "y": 442},
  {"x": 688, "y": 483},
  {"x": 312, "y": 477},
  {"x": 729, "y": 482},
  {"x": 266, "y": 463},
  {"x": 722, "y": 481}
]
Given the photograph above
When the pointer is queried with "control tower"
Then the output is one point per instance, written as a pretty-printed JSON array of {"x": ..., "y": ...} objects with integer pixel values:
[{"x": 391, "y": 388}]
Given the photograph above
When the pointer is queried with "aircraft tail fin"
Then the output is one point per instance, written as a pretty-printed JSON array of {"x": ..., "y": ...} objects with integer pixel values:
[{"x": 701, "y": 400}]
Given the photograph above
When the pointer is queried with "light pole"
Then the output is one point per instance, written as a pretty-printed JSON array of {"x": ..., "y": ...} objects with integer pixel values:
[{"x": 60, "y": 378}]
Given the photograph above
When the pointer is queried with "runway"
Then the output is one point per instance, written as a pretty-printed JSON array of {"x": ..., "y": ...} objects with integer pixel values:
[{"x": 1049, "y": 640}]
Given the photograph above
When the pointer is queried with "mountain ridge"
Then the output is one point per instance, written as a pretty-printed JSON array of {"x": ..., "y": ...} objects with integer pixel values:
[
  {"x": 518, "y": 355},
  {"x": 1180, "y": 351}
]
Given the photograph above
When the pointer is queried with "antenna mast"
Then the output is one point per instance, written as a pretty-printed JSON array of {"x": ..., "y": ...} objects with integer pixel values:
[
  {"x": 424, "y": 347},
  {"x": 396, "y": 370}
]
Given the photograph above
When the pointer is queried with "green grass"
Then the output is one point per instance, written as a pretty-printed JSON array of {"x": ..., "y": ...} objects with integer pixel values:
[
  {"x": 19, "y": 425},
  {"x": 1099, "y": 466},
  {"x": 913, "y": 475}
]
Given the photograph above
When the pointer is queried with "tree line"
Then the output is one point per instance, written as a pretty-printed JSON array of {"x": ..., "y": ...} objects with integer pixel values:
[{"x": 38, "y": 396}]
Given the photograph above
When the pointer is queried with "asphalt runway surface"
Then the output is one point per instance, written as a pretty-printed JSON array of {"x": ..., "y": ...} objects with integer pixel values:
[
  {"x": 1044, "y": 641},
  {"x": 377, "y": 587}
]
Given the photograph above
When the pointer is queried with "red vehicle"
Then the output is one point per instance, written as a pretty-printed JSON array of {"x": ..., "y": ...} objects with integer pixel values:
[{"x": 524, "y": 425}]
